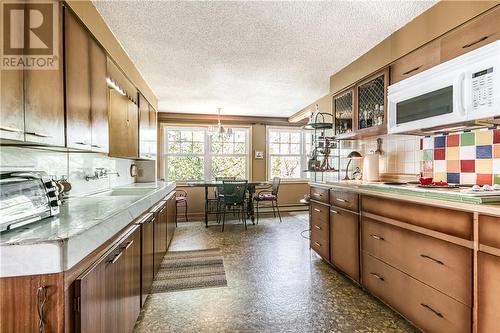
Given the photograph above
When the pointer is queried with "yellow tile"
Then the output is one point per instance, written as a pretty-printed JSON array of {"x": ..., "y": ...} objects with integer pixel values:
[
  {"x": 439, "y": 176},
  {"x": 484, "y": 166},
  {"x": 484, "y": 137},
  {"x": 452, "y": 153}
]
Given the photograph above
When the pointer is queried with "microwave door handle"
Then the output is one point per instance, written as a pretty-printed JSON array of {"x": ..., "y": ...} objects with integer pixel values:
[{"x": 460, "y": 94}]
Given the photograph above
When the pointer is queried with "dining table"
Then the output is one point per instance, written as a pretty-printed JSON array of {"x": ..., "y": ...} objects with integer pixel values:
[{"x": 251, "y": 185}]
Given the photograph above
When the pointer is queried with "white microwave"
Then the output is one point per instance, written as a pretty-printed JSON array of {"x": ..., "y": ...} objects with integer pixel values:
[{"x": 457, "y": 92}]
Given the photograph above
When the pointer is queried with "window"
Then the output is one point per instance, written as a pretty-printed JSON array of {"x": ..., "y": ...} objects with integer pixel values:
[
  {"x": 286, "y": 152},
  {"x": 192, "y": 154}
]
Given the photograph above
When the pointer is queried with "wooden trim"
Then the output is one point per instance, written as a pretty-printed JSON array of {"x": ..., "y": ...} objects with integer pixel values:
[
  {"x": 490, "y": 250},
  {"x": 436, "y": 234},
  {"x": 475, "y": 222},
  {"x": 196, "y": 118},
  {"x": 319, "y": 202}
]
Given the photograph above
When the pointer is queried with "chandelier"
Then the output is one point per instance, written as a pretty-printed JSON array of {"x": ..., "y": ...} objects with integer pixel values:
[{"x": 219, "y": 131}]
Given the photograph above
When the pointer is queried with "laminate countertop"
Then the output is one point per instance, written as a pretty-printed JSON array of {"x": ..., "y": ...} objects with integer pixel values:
[
  {"x": 411, "y": 194},
  {"x": 56, "y": 244}
]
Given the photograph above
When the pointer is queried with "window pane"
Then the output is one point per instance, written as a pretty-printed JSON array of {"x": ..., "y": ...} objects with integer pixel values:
[
  {"x": 284, "y": 137},
  {"x": 187, "y": 135},
  {"x": 173, "y": 135},
  {"x": 274, "y": 148},
  {"x": 239, "y": 136},
  {"x": 229, "y": 166},
  {"x": 284, "y": 149},
  {"x": 295, "y": 148},
  {"x": 239, "y": 148},
  {"x": 285, "y": 166},
  {"x": 274, "y": 137},
  {"x": 199, "y": 136},
  {"x": 185, "y": 168},
  {"x": 174, "y": 148},
  {"x": 295, "y": 137},
  {"x": 217, "y": 147}
]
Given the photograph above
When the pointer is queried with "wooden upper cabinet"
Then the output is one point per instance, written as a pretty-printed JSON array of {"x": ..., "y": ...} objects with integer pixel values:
[
  {"x": 478, "y": 32},
  {"x": 343, "y": 113},
  {"x": 78, "y": 105},
  {"x": 144, "y": 128},
  {"x": 417, "y": 61},
  {"x": 153, "y": 132},
  {"x": 11, "y": 105},
  {"x": 44, "y": 100},
  {"x": 98, "y": 98}
]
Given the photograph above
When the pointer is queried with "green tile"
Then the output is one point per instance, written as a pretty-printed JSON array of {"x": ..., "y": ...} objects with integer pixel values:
[
  {"x": 496, "y": 179},
  {"x": 428, "y": 154},
  {"x": 467, "y": 139}
]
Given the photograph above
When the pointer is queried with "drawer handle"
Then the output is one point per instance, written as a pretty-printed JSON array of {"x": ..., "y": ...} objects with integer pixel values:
[
  {"x": 318, "y": 194},
  {"x": 437, "y": 313},
  {"x": 317, "y": 227},
  {"x": 96, "y": 146},
  {"x": 129, "y": 244},
  {"x": 317, "y": 210},
  {"x": 431, "y": 258},
  {"x": 42, "y": 135},
  {"x": 341, "y": 200},
  {"x": 475, "y": 42},
  {"x": 378, "y": 237},
  {"x": 10, "y": 129},
  {"x": 115, "y": 259},
  {"x": 412, "y": 70},
  {"x": 334, "y": 211},
  {"x": 378, "y": 276},
  {"x": 317, "y": 244}
]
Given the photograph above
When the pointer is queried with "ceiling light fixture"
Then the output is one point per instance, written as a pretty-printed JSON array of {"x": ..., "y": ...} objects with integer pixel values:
[{"x": 219, "y": 131}]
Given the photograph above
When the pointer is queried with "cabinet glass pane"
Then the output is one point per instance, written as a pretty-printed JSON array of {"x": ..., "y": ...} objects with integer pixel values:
[
  {"x": 371, "y": 103},
  {"x": 343, "y": 113}
]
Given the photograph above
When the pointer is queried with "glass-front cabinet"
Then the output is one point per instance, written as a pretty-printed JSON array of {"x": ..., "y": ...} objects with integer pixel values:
[
  {"x": 343, "y": 112},
  {"x": 371, "y": 98}
]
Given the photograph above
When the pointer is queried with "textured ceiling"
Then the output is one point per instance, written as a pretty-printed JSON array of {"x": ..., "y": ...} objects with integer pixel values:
[{"x": 261, "y": 58}]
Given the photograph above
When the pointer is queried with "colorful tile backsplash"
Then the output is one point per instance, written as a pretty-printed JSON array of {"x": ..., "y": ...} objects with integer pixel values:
[{"x": 465, "y": 158}]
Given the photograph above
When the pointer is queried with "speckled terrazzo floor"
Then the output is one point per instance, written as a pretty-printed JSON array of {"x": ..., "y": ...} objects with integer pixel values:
[{"x": 275, "y": 284}]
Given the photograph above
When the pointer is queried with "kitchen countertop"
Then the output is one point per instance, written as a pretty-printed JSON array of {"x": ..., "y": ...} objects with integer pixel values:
[
  {"x": 57, "y": 244},
  {"x": 411, "y": 194}
]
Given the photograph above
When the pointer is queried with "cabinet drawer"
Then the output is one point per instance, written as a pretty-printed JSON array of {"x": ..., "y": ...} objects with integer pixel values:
[
  {"x": 427, "y": 308},
  {"x": 344, "y": 241},
  {"x": 452, "y": 222},
  {"x": 319, "y": 194},
  {"x": 488, "y": 290},
  {"x": 347, "y": 200},
  {"x": 415, "y": 62},
  {"x": 489, "y": 231},
  {"x": 478, "y": 32},
  {"x": 442, "y": 265},
  {"x": 319, "y": 213},
  {"x": 320, "y": 243}
]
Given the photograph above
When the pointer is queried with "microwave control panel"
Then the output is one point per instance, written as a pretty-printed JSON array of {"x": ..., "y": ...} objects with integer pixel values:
[{"x": 482, "y": 89}]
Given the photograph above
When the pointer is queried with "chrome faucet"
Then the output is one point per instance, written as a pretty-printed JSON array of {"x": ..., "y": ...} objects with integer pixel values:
[{"x": 101, "y": 173}]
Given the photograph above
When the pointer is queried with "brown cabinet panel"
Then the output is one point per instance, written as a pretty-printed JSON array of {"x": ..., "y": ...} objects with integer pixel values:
[
  {"x": 160, "y": 233},
  {"x": 489, "y": 231},
  {"x": 171, "y": 217},
  {"x": 144, "y": 129},
  {"x": 12, "y": 105},
  {"x": 427, "y": 308},
  {"x": 344, "y": 241},
  {"x": 153, "y": 125},
  {"x": 19, "y": 301},
  {"x": 147, "y": 255},
  {"x": 98, "y": 98},
  {"x": 78, "y": 104},
  {"x": 320, "y": 242},
  {"x": 320, "y": 194},
  {"x": 342, "y": 199},
  {"x": 478, "y": 32},
  {"x": 452, "y": 222},
  {"x": 442, "y": 265},
  {"x": 123, "y": 125},
  {"x": 488, "y": 293},
  {"x": 319, "y": 213},
  {"x": 417, "y": 61},
  {"x": 320, "y": 229}
]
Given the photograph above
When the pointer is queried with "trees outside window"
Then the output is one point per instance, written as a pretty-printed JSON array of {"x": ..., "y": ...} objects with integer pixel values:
[
  {"x": 192, "y": 154},
  {"x": 286, "y": 152}
]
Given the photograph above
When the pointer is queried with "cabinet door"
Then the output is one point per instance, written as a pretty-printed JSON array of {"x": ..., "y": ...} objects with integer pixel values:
[
  {"x": 98, "y": 98},
  {"x": 147, "y": 263},
  {"x": 144, "y": 128},
  {"x": 44, "y": 102},
  {"x": 171, "y": 217},
  {"x": 480, "y": 31},
  {"x": 417, "y": 61},
  {"x": 133, "y": 130},
  {"x": 344, "y": 241},
  {"x": 119, "y": 140},
  {"x": 488, "y": 307},
  {"x": 153, "y": 132},
  {"x": 12, "y": 105},
  {"x": 160, "y": 236},
  {"x": 78, "y": 118},
  {"x": 343, "y": 111}
]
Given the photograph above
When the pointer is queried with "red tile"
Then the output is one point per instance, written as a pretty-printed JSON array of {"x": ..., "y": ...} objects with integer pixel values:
[
  {"x": 484, "y": 179},
  {"x": 496, "y": 136},
  {"x": 467, "y": 166},
  {"x": 440, "y": 154},
  {"x": 453, "y": 140}
]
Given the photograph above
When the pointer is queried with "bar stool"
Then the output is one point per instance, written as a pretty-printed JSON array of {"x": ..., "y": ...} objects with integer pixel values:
[{"x": 181, "y": 200}]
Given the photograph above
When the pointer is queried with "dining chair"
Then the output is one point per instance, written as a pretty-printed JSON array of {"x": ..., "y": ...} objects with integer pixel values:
[
  {"x": 181, "y": 200},
  {"x": 271, "y": 196},
  {"x": 233, "y": 197}
]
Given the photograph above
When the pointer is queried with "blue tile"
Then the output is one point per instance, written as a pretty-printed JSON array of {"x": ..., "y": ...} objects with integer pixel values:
[
  {"x": 483, "y": 152},
  {"x": 439, "y": 141},
  {"x": 453, "y": 178}
]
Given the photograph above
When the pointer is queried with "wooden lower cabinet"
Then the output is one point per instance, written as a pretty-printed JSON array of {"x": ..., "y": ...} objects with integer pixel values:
[
  {"x": 22, "y": 295},
  {"x": 320, "y": 226},
  {"x": 108, "y": 293},
  {"x": 344, "y": 241},
  {"x": 488, "y": 293},
  {"x": 427, "y": 308},
  {"x": 160, "y": 234},
  {"x": 147, "y": 255},
  {"x": 171, "y": 218}
]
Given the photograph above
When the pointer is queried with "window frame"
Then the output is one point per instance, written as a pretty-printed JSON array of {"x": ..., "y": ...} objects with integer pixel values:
[
  {"x": 301, "y": 154},
  {"x": 207, "y": 154}
]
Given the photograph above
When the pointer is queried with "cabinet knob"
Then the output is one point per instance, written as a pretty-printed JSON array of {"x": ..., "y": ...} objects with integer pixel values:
[
  {"x": 317, "y": 244},
  {"x": 39, "y": 134},
  {"x": 341, "y": 200},
  {"x": 425, "y": 256},
  {"x": 317, "y": 227},
  {"x": 317, "y": 210},
  {"x": 377, "y": 276},
  {"x": 10, "y": 129},
  {"x": 334, "y": 211},
  {"x": 428, "y": 307},
  {"x": 377, "y": 237}
]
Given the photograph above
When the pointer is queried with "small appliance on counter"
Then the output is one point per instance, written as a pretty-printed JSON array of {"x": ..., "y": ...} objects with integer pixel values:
[
  {"x": 371, "y": 168},
  {"x": 26, "y": 197}
]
